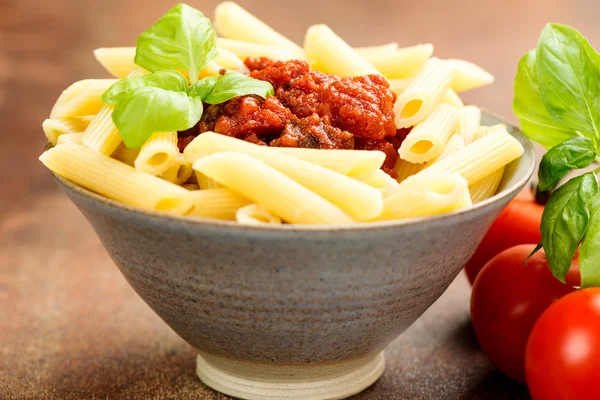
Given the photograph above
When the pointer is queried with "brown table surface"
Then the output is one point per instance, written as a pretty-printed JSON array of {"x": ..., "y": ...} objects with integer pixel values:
[{"x": 72, "y": 328}]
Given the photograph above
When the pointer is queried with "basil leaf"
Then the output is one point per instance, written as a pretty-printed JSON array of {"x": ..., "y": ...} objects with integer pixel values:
[
  {"x": 203, "y": 87},
  {"x": 589, "y": 252},
  {"x": 182, "y": 39},
  {"x": 529, "y": 107},
  {"x": 169, "y": 80},
  {"x": 574, "y": 153},
  {"x": 568, "y": 70},
  {"x": 565, "y": 221},
  {"x": 234, "y": 84},
  {"x": 146, "y": 110}
]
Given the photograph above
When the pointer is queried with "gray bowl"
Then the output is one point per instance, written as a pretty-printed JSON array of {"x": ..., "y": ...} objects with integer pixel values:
[{"x": 267, "y": 307}]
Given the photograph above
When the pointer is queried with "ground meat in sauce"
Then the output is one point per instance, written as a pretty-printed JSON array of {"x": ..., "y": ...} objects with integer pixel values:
[{"x": 310, "y": 109}]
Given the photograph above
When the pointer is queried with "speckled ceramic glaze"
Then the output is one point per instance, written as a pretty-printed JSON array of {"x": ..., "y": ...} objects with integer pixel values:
[{"x": 293, "y": 295}]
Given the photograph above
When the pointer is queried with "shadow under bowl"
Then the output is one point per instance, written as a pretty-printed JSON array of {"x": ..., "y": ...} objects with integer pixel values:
[{"x": 292, "y": 305}]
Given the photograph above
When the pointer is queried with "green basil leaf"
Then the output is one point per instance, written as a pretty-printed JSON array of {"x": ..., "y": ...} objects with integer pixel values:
[
  {"x": 589, "y": 252},
  {"x": 565, "y": 221},
  {"x": 203, "y": 87},
  {"x": 574, "y": 153},
  {"x": 182, "y": 39},
  {"x": 568, "y": 70},
  {"x": 169, "y": 80},
  {"x": 529, "y": 107},
  {"x": 149, "y": 109},
  {"x": 234, "y": 84}
]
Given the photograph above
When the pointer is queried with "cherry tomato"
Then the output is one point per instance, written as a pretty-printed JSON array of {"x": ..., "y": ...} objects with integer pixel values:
[
  {"x": 563, "y": 353},
  {"x": 507, "y": 299},
  {"x": 519, "y": 223}
]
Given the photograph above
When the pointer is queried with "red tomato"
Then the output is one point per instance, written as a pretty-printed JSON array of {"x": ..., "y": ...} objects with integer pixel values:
[
  {"x": 507, "y": 299},
  {"x": 519, "y": 223},
  {"x": 563, "y": 353}
]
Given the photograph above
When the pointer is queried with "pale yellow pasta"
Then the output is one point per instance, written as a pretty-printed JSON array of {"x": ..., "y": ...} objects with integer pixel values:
[
  {"x": 233, "y": 22},
  {"x": 468, "y": 76},
  {"x": 401, "y": 63},
  {"x": 74, "y": 137},
  {"x": 486, "y": 130},
  {"x": 190, "y": 186},
  {"x": 256, "y": 214},
  {"x": 426, "y": 194},
  {"x": 329, "y": 53},
  {"x": 378, "y": 179},
  {"x": 81, "y": 98},
  {"x": 265, "y": 185},
  {"x": 158, "y": 153},
  {"x": 116, "y": 180},
  {"x": 482, "y": 157},
  {"x": 205, "y": 182},
  {"x": 54, "y": 128},
  {"x": 125, "y": 154},
  {"x": 486, "y": 187},
  {"x": 85, "y": 119},
  {"x": 352, "y": 196},
  {"x": 102, "y": 135},
  {"x": 452, "y": 98},
  {"x": 179, "y": 172},
  {"x": 118, "y": 61},
  {"x": 216, "y": 203},
  {"x": 454, "y": 144},
  {"x": 374, "y": 51},
  {"x": 348, "y": 162},
  {"x": 426, "y": 140},
  {"x": 404, "y": 169},
  {"x": 244, "y": 50},
  {"x": 423, "y": 94},
  {"x": 399, "y": 85},
  {"x": 469, "y": 118}
]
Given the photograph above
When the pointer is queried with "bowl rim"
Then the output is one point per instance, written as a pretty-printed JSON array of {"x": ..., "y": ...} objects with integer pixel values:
[{"x": 529, "y": 152}]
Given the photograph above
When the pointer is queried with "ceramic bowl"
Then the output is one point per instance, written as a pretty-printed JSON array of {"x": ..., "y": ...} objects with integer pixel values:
[{"x": 294, "y": 312}]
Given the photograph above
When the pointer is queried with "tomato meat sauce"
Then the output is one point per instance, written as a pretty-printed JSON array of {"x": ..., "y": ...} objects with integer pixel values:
[{"x": 310, "y": 109}]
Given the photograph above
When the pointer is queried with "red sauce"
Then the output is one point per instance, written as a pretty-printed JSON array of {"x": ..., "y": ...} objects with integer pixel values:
[{"x": 310, "y": 109}]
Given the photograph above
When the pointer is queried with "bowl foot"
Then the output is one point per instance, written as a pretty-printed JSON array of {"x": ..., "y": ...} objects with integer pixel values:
[{"x": 253, "y": 381}]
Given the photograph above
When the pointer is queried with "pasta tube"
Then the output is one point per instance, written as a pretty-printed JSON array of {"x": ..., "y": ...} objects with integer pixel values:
[
  {"x": 54, "y": 128},
  {"x": 191, "y": 186},
  {"x": 486, "y": 187},
  {"x": 374, "y": 51},
  {"x": 427, "y": 139},
  {"x": 125, "y": 154},
  {"x": 329, "y": 53},
  {"x": 206, "y": 183},
  {"x": 158, "y": 153},
  {"x": 69, "y": 138},
  {"x": 452, "y": 98},
  {"x": 399, "y": 85},
  {"x": 216, "y": 203},
  {"x": 244, "y": 50},
  {"x": 348, "y": 162},
  {"x": 255, "y": 214},
  {"x": 468, "y": 76},
  {"x": 423, "y": 94},
  {"x": 116, "y": 180},
  {"x": 426, "y": 194},
  {"x": 265, "y": 185},
  {"x": 401, "y": 63},
  {"x": 179, "y": 172},
  {"x": 486, "y": 130},
  {"x": 469, "y": 118},
  {"x": 454, "y": 144},
  {"x": 233, "y": 22},
  {"x": 378, "y": 179},
  {"x": 404, "y": 169},
  {"x": 81, "y": 98}
]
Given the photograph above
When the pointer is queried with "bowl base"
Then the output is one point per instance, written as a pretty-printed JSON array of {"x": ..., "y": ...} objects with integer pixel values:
[{"x": 253, "y": 381}]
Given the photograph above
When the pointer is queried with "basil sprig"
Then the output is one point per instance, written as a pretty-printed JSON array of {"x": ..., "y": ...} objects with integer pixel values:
[
  {"x": 557, "y": 100},
  {"x": 182, "y": 40}
]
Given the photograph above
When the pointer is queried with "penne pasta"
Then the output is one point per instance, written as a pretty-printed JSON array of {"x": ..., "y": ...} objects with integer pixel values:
[
  {"x": 454, "y": 144},
  {"x": 348, "y": 162},
  {"x": 54, "y": 128},
  {"x": 374, "y": 51},
  {"x": 328, "y": 53},
  {"x": 125, "y": 154},
  {"x": 216, "y": 203},
  {"x": 482, "y": 157},
  {"x": 355, "y": 198},
  {"x": 233, "y": 22},
  {"x": 426, "y": 140},
  {"x": 468, "y": 76},
  {"x": 486, "y": 187},
  {"x": 401, "y": 63},
  {"x": 205, "y": 182},
  {"x": 482, "y": 131},
  {"x": 378, "y": 179},
  {"x": 427, "y": 194},
  {"x": 74, "y": 137},
  {"x": 102, "y": 134},
  {"x": 469, "y": 118},
  {"x": 265, "y": 185},
  {"x": 404, "y": 169},
  {"x": 244, "y": 50},
  {"x": 423, "y": 94},
  {"x": 116, "y": 180},
  {"x": 158, "y": 154},
  {"x": 399, "y": 85},
  {"x": 81, "y": 98},
  {"x": 191, "y": 186},
  {"x": 179, "y": 172},
  {"x": 255, "y": 214},
  {"x": 453, "y": 99}
]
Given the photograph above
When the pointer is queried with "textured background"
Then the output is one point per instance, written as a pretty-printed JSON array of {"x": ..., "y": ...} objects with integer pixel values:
[{"x": 71, "y": 327}]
